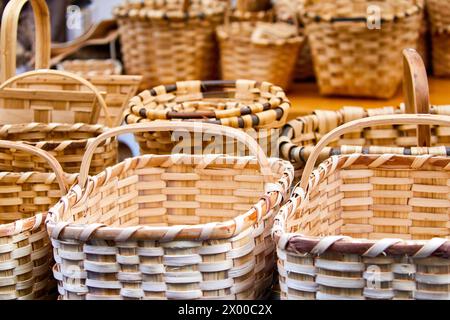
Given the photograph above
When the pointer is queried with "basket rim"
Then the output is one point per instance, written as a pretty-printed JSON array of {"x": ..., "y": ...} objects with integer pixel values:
[
  {"x": 224, "y": 35},
  {"x": 37, "y": 220},
  {"x": 278, "y": 102},
  {"x": 298, "y": 243},
  {"x": 139, "y": 11},
  {"x": 312, "y": 17},
  {"x": 6, "y": 129},
  {"x": 212, "y": 231},
  {"x": 289, "y": 131}
]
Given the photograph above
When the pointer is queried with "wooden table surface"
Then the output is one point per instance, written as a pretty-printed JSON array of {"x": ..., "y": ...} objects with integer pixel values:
[{"x": 305, "y": 98}]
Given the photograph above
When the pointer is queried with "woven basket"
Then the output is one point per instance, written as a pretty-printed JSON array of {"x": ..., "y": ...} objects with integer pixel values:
[
  {"x": 251, "y": 11},
  {"x": 368, "y": 226},
  {"x": 170, "y": 226},
  {"x": 349, "y": 57},
  {"x": 244, "y": 54},
  {"x": 32, "y": 104},
  {"x": 259, "y": 109},
  {"x": 300, "y": 135},
  {"x": 170, "y": 41},
  {"x": 440, "y": 33},
  {"x": 25, "y": 251}
]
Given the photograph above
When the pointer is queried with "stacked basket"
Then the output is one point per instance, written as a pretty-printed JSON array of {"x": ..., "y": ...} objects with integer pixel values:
[
  {"x": 259, "y": 109},
  {"x": 53, "y": 110}
]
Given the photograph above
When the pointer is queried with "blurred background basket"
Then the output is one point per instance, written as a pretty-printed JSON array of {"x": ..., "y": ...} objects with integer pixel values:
[
  {"x": 170, "y": 41},
  {"x": 439, "y": 13},
  {"x": 176, "y": 226},
  {"x": 259, "y": 109},
  {"x": 353, "y": 51}
]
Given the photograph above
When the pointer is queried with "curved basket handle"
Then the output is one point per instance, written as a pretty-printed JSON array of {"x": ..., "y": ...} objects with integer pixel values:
[
  {"x": 416, "y": 91},
  {"x": 352, "y": 126},
  {"x": 240, "y": 136},
  {"x": 8, "y": 37},
  {"x": 53, "y": 163},
  {"x": 95, "y": 113}
]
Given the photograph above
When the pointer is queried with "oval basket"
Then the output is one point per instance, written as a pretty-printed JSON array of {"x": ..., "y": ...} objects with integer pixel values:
[{"x": 259, "y": 109}]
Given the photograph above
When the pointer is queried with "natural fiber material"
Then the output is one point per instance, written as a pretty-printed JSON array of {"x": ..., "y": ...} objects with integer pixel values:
[
  {"x": 440, "y": 30},
  {"x": 349, "y": 57},
  {"x": 259, "y": 109},
  {"x": 300, "y": 135},
  {"x": 166, "y": 43},
  {"x": 25, "y": 251},
  {"x": 66, "y": 142},
  {"x": 92, "y": 67},
  {"x": 368, "y": 226},
  {"x": 244, "y": 56},
  {"x": 170, "y": 227}
]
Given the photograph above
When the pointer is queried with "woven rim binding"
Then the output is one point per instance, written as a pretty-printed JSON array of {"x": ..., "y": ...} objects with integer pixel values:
[
  {"x": 310, "y": 16},
  {"x": 94, "y": 129},
  {"x": 63, "y": 230},
  {"x": 140, "y": 11},
  {"x": 301, "y": 244},
  {"x": 278, "y": 102}
]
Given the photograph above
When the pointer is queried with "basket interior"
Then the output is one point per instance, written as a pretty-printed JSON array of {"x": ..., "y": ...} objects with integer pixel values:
[
  {"x": 173, "y": 190},
  {"x": 368, "y": 202}
]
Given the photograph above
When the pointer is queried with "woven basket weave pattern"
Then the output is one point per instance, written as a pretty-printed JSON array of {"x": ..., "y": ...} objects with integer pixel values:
[
  {"x": 164, "y": 50},
  {"x": 361, "y": 196},
  {"x": 349, "y": 58},
  {"x": 440, "y": 35},
  {"x": 166, "y": 193}
]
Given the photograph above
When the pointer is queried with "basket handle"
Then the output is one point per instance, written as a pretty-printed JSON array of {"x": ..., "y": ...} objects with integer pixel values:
[
  {"x": 53, "y": 163},
  {"x": 416, "y": 91},
  {"x": 352, "y": 126},
  {"x": 95, "y": 112},
  {"x": 238, "y": 135},
  {"x": 8, "y": 37}
]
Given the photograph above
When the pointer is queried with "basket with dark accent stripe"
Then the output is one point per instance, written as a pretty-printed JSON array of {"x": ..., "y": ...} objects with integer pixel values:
[{"x": 259, "y": 109}]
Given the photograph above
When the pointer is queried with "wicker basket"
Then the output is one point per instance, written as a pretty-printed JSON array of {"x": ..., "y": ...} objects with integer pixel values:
[
  {"x": 259, "y": 109},
  {"x": 25, "y": 251},
  {"x": 170, "y": 226},
  {"x": 170, "y": 41},
  {"x": 300, "y": 135},
  {"x": 349, "y": 57},
  {"x": 32, "y": 103},
  {"x": 246, "y": 52},
  {"x": 440, "y": 33},
  {"x": 368, "y": 226}
]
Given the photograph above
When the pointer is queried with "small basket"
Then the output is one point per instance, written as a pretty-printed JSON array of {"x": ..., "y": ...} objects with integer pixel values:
[
  {"x": 247, "y": 52},
  {"x": 259, "y": 109},
  {"x": 352, "y": 51},
  {"x": 368, "y": 226},
  {"x": 170, "y": 41},
  {"x": 439, "y": 12},
  {"x": 25, "y": 251},
  {"x": 300, "y": 135},
  {"x": 170, "y": 226}
]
